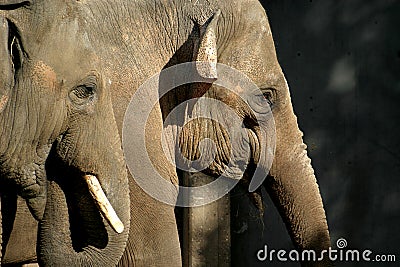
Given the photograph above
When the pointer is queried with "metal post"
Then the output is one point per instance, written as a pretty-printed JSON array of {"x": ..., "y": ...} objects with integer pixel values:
[{"x": 206, "y": 229}]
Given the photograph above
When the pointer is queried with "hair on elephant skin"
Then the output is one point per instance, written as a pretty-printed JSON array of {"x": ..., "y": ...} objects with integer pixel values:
[{"x": 68, "y": 72}]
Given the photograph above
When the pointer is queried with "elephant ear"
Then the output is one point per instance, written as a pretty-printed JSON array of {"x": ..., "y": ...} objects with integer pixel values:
[{"x": 205, "y": 48}]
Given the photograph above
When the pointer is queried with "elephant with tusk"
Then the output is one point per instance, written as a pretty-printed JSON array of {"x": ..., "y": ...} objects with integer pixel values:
[{"x": 69, "y": 70}]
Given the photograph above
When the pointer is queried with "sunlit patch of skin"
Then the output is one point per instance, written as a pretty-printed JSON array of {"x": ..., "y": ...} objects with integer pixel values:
[
  {"x": 3, "y": 102},
  {"x": 44, "y": 76}
]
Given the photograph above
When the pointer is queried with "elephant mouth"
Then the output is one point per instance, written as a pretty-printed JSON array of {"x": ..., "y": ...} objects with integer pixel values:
[
  {"x": 33, "y": 188},
  {"x": 89, "y": 185},
  {"x": 103, "y": 203},
  {"x": 227, "y": 154},
  {"x": 77, "y": 199}
]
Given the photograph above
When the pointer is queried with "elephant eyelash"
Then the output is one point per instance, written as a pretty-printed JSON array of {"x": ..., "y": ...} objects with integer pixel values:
[{"x": 83, "y": 92}]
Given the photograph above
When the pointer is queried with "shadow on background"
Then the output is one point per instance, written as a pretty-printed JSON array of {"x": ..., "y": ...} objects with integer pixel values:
[{"x": 342, "y": 62}]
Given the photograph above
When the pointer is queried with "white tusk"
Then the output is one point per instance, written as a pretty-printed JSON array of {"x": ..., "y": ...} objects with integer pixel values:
[{"x": 104, "y": 205}]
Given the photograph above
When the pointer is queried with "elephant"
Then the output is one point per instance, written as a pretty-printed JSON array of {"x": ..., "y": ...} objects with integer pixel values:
[{"x": 68, "y": 72}]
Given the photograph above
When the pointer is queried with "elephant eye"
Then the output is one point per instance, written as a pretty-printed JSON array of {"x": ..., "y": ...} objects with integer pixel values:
[
  {"x": 84, "y": 94},
  {"x": 13, "y": 4},
  {"x": 268, "y": 95},
  {"x": 262, "y": 100}
]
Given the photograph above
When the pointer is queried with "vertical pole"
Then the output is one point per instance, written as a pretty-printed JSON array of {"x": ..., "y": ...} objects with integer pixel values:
[{"x": 206, "y": 229}]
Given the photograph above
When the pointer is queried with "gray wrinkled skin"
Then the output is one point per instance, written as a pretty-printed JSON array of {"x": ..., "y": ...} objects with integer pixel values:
[{"x": 71, "y": 69}]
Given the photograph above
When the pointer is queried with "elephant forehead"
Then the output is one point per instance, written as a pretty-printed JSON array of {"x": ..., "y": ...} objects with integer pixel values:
[
  {"x": 43, "y": 75},
  {"x": 68, "y": 64},
  {"x": 67, "y": 49}
]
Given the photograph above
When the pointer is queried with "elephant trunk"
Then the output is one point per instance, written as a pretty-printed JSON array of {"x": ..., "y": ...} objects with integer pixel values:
[
  {"x": 77, "y": 228},
  {"x": 293, "y": 187}
]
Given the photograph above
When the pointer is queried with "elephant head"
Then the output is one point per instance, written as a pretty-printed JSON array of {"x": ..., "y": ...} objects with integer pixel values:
[
  {"x": 290, "y": 180},
  {"x": 60, "y": 146}
]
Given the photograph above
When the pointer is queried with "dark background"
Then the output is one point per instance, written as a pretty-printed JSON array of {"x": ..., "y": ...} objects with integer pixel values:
[{"x": 342, "y": 62}]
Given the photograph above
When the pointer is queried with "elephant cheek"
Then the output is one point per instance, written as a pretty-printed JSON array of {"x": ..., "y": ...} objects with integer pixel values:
[
  {"x": 262, "y": 140},
  {"x": 3, "y": 102},
  {"x": 44, "y": 76}
]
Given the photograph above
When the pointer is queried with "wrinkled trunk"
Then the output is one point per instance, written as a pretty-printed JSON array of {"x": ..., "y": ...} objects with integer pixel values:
[
  {"x": 293, "y": 187},
  {"x": 73, "y": 232}
]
